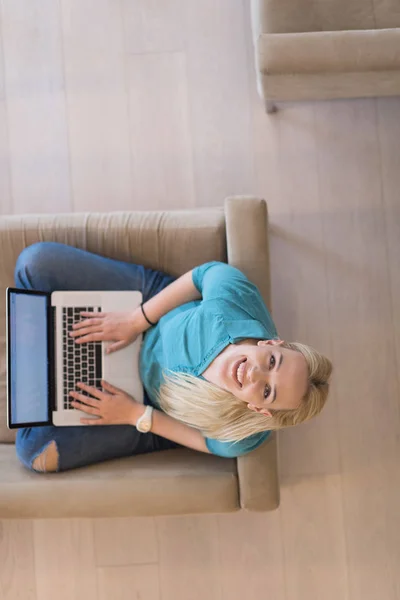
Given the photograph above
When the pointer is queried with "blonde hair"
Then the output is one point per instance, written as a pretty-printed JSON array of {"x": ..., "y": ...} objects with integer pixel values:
[{"x": 220, "y": 415}]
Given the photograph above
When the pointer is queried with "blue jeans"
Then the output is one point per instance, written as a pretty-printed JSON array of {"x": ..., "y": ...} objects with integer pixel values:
[{"x": 49, "y": 266}]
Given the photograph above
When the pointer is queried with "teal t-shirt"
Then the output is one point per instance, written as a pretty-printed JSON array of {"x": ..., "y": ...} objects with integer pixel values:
[{"x": 188, "y": 338}]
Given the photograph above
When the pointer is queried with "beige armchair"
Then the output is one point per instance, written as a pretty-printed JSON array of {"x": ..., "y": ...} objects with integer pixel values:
[
  {"x": 171, "y": 482},
  {"x": 326, "y": 49}
]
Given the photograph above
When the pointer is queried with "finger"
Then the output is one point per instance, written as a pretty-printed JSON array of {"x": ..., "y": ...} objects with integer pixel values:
[
  {"x": 87, "y": 323},
  {"x": 89, "y": 314},
  {"x": 87, "y": 400},
  {"x": 92, "y": 337},
  {"x": 84, "y": 408},
  {"x": 86, "y": 330},
  {"x": 92, "y": 422},
  {"x": 115, "y": 347},
  {"x": 91, "y": 390},
  {"x": 111, "y": 388}
]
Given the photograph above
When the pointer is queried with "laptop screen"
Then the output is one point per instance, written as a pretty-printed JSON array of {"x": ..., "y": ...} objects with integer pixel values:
[{"x": 28, "y": 359}]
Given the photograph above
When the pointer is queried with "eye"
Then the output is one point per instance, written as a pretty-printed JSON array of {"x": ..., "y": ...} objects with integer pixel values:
[
  {"x": 272, "y": 362},
  {"x": 267, "y": 392}
]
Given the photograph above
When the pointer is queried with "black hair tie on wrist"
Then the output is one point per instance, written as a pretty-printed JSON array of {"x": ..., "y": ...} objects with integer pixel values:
[{"x": 144, "y": 314}]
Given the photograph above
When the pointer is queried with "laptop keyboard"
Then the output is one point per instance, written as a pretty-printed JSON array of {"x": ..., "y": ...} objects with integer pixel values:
[{"x": 82, "y": 362}]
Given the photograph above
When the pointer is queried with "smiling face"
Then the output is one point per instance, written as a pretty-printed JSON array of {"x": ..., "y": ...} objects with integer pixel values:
[{"x": 264, "y": 374}]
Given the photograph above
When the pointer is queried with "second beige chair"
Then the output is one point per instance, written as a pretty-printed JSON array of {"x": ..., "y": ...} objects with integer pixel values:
[{"x": 326, "y": 49}]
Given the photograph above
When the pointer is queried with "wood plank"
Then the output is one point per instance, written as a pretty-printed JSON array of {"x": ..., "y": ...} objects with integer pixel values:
[
  {"x": 126, "y": 583},
  {"x": 17, "y": 560},
  {"x": 97, "y": 105},
  {"x": 388, "y": 113},
  {"x": 251, "y": 558},
  {"x": 188, "y": 558},
  {"x": 314, "y": 541},
  {"x": 219, "y": 100},
  {"x": 363, "y": 340},
  {"x": 65, "y": 559},
  {"x": 34, "y": 85},
  {"x": 5, "y": 188},
  {"x": 120, "y": 542},
  {"x": 154, "y": 25},
  {"x": 160, "y": 131}
]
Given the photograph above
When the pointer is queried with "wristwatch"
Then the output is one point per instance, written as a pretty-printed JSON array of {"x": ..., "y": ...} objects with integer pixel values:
[{"x": 145, "y": 422}]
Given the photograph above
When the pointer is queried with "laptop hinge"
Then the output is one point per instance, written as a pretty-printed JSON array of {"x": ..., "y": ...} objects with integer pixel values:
[{"x": 52, "y": 358}]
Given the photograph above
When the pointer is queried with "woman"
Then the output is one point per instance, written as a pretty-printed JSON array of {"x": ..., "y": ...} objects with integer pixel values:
[{"x": 211, "y": 360}]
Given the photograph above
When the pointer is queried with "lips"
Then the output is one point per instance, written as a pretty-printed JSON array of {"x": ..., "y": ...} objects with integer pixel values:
[{"x": 234, "y": 371}]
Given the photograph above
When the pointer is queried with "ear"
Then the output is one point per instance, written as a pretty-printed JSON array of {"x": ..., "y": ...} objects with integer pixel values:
[
  {"x": 262, "y": 411},
  {"x": 266, "y": 413},
  {"x": 275, "y": 342}
]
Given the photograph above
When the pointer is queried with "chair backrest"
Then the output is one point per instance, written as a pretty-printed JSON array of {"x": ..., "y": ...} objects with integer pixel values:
[{"x": 301, "y": 16}]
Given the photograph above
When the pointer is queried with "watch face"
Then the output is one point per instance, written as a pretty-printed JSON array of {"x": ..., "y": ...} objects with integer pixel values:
[
  {"x": 145, "y": 422},
  {"x": 144, "y": 427}
]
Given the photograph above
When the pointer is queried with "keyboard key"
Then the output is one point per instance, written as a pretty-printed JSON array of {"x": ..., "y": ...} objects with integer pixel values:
[{"x": 79, "y": 360}]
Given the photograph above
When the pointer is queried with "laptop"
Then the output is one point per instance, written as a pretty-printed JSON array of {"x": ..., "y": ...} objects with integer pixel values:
[{"x": 44, "y": 363}]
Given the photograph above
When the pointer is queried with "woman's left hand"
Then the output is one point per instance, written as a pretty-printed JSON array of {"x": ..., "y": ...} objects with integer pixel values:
[{"x": 112, "y": 407}]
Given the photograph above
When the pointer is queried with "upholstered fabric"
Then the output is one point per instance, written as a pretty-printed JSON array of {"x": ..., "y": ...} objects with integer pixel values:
[
  {"x": 163, "y": 483},
  {"x": 300, "y": 16},
  {"x": 322, "y": 49},
  {"x": 330, "y": 86},
  {"x": 172, "y": 482},
  {"x": 255, "y": 475},
  {"x": 387, "y": 13},
  {"x": 329, "y": 52}
]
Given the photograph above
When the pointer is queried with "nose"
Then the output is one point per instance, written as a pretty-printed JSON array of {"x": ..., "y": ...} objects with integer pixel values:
[{"x": 254, "y": 374}]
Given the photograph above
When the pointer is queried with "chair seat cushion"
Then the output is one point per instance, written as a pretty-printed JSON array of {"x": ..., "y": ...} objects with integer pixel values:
[{"x": 169, "y": 482}]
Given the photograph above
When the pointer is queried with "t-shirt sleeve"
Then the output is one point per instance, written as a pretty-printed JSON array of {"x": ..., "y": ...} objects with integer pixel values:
[
  {"x": 235, "y": 449},
  {"x": 217, "y": 279}
]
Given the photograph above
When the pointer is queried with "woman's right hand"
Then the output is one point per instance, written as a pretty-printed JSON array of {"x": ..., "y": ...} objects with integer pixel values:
[{"x": 121, "y": 328}]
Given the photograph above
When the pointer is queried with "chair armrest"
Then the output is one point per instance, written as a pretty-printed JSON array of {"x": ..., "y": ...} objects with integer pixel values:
[
  {"x": 247, "y": 247},
  {"x": 246, "y": 221}
]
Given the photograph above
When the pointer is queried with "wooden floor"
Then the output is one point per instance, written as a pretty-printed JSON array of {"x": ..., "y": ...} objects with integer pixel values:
[{"x": 151, "y": 104}]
